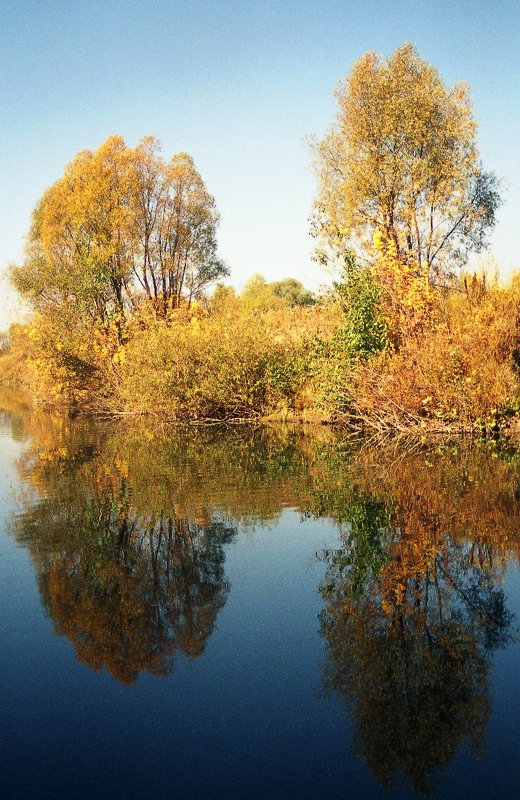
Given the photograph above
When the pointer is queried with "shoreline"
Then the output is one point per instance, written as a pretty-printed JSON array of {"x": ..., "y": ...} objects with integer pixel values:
[{"x": 18, "y": 399}]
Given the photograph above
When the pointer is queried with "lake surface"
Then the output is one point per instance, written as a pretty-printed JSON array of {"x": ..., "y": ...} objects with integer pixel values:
[{"x": 255, "y": 613}]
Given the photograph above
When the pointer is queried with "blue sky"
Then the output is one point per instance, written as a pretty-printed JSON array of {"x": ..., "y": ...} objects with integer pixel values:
[{"x": 239, "y": 85}]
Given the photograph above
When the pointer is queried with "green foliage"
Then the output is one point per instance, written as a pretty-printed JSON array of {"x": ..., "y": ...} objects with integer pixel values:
[
  {"x": 293, "y": 292},
  {"x": 361, "y": 333},
  {"x": 364, "y": 333},
  {"x": 367, "y": 550}
]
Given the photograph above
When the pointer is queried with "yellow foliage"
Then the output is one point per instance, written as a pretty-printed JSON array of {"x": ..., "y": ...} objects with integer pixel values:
[
  {"x": 401, "y": 159},
  {"x": 408, "y": 302},
  {"x": 458, "y": 372}
]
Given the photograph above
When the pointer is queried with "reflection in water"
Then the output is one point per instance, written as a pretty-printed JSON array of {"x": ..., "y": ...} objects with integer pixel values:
[
  {"x": 131, "y": 595},
  {"x": 127, "y": 527},
  {"x": 415, "y": 609},
  {"x": 129, "y": 586},
  {"x": 415, "y": 674}
]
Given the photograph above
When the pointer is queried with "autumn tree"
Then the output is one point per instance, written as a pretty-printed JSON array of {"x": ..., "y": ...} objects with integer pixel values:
[
  {"x": 121, "y": 223},
  {"x": 80, "y": 242},
  {"x": 176, "y": 222},
  {"x": 400, "y": 163}
]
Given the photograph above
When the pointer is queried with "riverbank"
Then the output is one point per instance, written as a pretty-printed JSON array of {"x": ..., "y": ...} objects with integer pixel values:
[{"x": 349, "y": 358}]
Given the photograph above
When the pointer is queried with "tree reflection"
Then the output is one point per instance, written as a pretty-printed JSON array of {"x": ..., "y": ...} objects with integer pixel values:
[
  {"x": 145, "y": 593},
  {"x": 415, "y": 609},
  {"x": 127, "y": 527},
  {"x": 130, "y": 587}
]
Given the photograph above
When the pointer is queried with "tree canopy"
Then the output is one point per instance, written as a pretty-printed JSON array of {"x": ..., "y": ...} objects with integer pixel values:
[
  {"x": 400, "y": 167},
  {"x": 122, "y": 223}
]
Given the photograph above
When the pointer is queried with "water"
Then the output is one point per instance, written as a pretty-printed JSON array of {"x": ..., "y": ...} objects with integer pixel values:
[{"x": 253, "y": 613}]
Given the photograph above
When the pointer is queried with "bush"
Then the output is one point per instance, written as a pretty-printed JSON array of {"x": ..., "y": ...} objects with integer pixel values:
[
  {"x": 458, "y": 374},
  {"x": 220, "y": 361}
]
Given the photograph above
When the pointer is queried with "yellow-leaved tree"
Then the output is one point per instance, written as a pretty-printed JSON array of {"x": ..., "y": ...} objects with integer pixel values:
[
  {"x": 121, "y": 224},
  {"x": 121, "y": 232},
  {"x": 401, "y": 162}
]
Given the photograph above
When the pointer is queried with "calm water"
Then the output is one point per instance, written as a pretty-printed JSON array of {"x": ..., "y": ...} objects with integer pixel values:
[{"x": 255, "y": 613}]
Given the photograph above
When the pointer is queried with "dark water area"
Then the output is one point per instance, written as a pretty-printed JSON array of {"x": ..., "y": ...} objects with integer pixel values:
[{"x": 255, "y": 613}]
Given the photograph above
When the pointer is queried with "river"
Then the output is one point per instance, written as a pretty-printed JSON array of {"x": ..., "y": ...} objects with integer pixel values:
[{"x": 255, "y": 612}]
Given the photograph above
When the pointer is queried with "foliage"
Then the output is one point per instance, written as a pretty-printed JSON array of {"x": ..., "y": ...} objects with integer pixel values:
[
  {"x": 123, "y": 247},
  {"x": 401, "y": 161},
  {"x": 407, "y": 303},
  {"x": 220, "y": 361},
  {"x": 294, "y": 292},
  {"x": 447, "y": 364},
  {"x": 364, "y": 332},
  {"x": 258, "y": 293},
  {"x": 119, "y": 254},
  {"x": 459, "y": 373},
  {"x": 120, "y": 223}
]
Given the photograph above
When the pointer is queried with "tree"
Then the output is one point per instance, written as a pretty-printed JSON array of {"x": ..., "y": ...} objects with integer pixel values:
[
  {"x": 277, "y": 294},
  {"x": 80, "y": 242},
  {"x": 121, "y": 223},
  {"x": 294, "y": 292},
  {"x": 400, "y": 169},
  {"x": 176, "y": 221}
]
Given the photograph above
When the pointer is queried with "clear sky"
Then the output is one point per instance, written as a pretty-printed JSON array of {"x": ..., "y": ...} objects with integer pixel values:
[{"x": 239, "y": 85}]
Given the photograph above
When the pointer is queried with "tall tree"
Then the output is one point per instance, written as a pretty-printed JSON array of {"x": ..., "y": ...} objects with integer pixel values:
[
  {"x": 80, "y": 240},
  {"x": 121, "y": 223},
  {"x": 176, "y": 221},
  {"x": 400, "y": 169}
]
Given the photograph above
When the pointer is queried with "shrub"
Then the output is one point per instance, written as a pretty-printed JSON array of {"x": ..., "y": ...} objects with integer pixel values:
[{"x": 459, "y": 373}]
